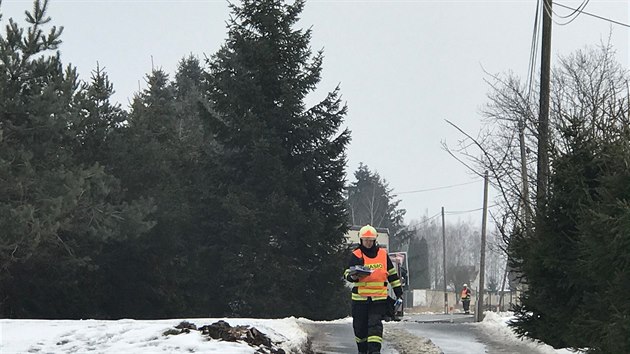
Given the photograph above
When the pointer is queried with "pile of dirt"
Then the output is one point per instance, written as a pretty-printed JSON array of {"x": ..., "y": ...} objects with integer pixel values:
[
  {"x": 407, "y": 343},
  {"x": 222, "y": 330}
]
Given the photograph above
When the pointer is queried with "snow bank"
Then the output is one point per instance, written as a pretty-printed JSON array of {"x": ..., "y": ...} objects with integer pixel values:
[
  {"x": 138, "y": 336},
  {"x": 495, "y": 324}
]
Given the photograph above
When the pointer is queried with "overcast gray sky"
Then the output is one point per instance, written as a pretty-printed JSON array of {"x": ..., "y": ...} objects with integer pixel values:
[{"x": 403, "y": 66}]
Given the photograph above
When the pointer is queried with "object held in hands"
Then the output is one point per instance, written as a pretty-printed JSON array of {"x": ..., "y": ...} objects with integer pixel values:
[{"x": 360, "y": 270}]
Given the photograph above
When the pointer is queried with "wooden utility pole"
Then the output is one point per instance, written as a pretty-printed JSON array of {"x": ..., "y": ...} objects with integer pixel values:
[
  {"x": 525, "y": 204},
  {"x": 482, "y": 262},
  {"x": 501, "y": 297},
  {"x": 507, "y": 262},
  {"x": 444, "y": 262},
  {"x": 543, "y": 118}
]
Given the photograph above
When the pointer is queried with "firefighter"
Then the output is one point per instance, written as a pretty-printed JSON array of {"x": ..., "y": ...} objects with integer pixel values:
[
  {"x": 369, "y": 293},
  {"x": 466, "y": 299}
]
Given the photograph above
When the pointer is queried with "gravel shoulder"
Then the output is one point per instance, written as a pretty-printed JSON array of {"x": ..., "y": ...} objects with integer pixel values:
[{"x": 407, "y": 343}]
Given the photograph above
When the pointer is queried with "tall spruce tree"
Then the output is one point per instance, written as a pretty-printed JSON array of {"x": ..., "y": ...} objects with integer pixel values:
[
  {"x": 97, "y": 120},
  {"x": 575, "y": 264},
  {"x": 371, "y": 201},
  {"x": 188, "y": 86},
  {"x": 603, "y": 320},
  {"x": 197, "y": 173},
  {"x": 152, "y": 161},
  {"x": 57, "y": 211},
  {"x": 281, "y": 167},
  {"x": 419, "y": 271},
  {"x": 560, "y": 284},
  {"x": 165, "y": 153}
]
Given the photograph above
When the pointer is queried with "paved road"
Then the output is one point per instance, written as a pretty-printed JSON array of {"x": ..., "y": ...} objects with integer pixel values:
[
  {"x": 457, "y": 334},
  {"x": 335, "y": 337},
  {"x": 453, "y": 334}
]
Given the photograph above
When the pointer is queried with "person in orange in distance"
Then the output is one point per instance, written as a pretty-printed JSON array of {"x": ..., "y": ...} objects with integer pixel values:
[
  {"x": 466, "y": 299},
  {"x": 370, "y": 270}
]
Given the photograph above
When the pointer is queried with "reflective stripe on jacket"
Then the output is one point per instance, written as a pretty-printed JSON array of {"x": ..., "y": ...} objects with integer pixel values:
[
  {"x": 375, "y": 284},
  {"x": 465, "y": 294}
]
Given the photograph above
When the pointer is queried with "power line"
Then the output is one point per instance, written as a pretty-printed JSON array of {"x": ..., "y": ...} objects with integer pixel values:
[
  {"x": 533, "y": 53},
  {"x": 575, "y": 12},
  {"x": 425, "y": 221},
  {"x": 581, "y": 7},
  {"x": 456, "y": 212},
  {"x": 593, "y": 15},
  {"x": 438, "y": 188}
]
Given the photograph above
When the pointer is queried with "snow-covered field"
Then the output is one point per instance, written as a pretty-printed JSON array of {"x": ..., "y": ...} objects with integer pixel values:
[
  {"x": 138, "y": 337},
  {"x": 144, "y": 337}
]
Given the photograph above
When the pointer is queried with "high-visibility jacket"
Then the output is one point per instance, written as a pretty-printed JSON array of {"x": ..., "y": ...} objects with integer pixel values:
[
  {"x": 375, "y": 284},
  {"x": 466, "y": 294}
]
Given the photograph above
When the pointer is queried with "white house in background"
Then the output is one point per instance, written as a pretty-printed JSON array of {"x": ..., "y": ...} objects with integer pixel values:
[{"x": 382, "y": 238}]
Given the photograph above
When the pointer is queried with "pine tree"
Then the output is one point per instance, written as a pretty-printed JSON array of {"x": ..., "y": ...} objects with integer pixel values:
[
  {"x": 57, "y": 210},
  {"x": 371, "y": 201},
  {"x": 550, "y": 256},
  {"x": 604, "y": 248},
  {"x": 281, "y": 166},
  {"x": 419, "y": 275},
  {"x": 188, "y": 88},
  {"x": 573, "y": 263},
  {"x": 97, "y": 120},
  {"x": 143, "y": 273}
]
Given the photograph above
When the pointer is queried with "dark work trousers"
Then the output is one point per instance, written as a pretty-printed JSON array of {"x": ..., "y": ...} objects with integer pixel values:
[
  {"x": 368, "y": 328},
  {"x": 466, "y": 304}
]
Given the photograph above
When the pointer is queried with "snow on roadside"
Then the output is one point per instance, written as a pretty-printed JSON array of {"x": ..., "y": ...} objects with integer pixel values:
[
  {"x": 495, "y": 325},
  {"x": 138, "y": 336}
]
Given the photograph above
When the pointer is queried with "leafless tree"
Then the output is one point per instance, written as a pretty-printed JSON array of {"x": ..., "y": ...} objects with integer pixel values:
[{"x": 588, "y": 87}]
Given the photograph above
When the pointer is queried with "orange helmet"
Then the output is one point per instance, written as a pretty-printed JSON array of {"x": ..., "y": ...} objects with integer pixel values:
[{"x": 368, "y": 232}]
